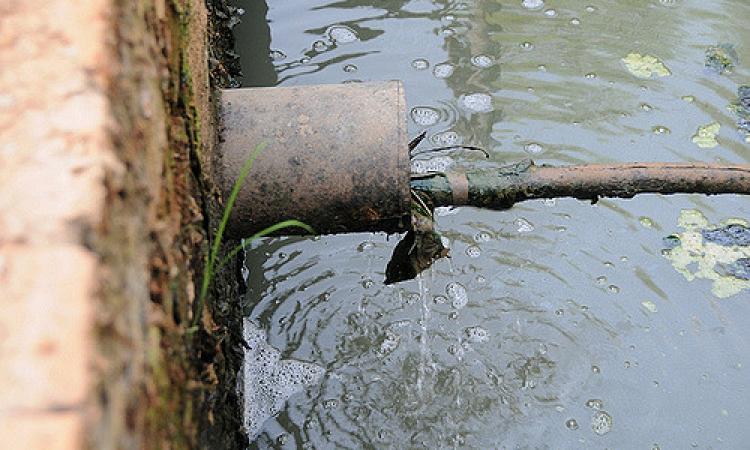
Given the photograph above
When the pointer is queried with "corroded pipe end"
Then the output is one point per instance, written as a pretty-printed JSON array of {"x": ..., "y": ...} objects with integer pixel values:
[{"x": 336, "y": 159}]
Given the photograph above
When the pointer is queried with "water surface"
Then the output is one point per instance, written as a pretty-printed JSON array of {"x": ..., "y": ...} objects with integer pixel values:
[{"x": 556, "y": 324}]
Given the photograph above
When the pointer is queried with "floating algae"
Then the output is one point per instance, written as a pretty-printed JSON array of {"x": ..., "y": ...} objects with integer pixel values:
[
  {"x": 721, "y": 58},
  {"x": 705, "y": 137},
  {"x": 645, "y": 66},
  {"x": 718, "y": 253},
  {"x": 741, "y": 110}
]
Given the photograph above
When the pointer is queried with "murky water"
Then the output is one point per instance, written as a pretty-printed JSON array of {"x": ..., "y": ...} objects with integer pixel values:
[{"x": 557, "y": 324}]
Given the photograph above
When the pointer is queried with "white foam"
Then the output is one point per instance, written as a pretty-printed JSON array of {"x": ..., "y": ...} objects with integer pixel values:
[{"x": 267, "y": 381}]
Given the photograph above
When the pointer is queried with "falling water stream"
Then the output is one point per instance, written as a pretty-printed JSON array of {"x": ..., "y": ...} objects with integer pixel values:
[{"x": 556, "y": 324}]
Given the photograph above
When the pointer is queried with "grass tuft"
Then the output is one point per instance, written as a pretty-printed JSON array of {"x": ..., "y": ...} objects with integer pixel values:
[{"x": 211, "y": 266}]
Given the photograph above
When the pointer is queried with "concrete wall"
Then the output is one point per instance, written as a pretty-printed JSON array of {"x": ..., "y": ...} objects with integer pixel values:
[{"x": 106, "y": 132}]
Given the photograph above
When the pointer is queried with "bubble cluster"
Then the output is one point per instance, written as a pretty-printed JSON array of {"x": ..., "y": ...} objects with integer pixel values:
[
  {"x": 476, "y": 335},
  {"x": 523, "y": 225},
  {"x": 420, "y": 64},
  {"x": 533, "y": 148},
  {"x": 480, "y": 103},
  {"x": 456, "y": 292},
  {"x": 446, "y": 138},
  {"x": 268, "y": 381},
  {"x": 473, "y": 251},
  {"x": 443, "y": 70},
  {"x": 533, "y": 5},
  {"x": 482, "y": 61},
  {"x": 436, "y": 164},
  {"x": 601, "y": 423},
  {"x": 424, "y": 115}
]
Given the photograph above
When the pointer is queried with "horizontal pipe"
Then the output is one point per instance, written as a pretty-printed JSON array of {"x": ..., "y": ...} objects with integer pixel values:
[{"x": 504, "y": 187}]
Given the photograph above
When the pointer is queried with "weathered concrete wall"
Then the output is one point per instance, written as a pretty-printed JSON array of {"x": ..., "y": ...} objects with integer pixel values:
[{"x": 106, "y": 132}]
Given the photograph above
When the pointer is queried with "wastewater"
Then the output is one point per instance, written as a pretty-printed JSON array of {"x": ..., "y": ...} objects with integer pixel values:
[{"x": 557, "y": 323}]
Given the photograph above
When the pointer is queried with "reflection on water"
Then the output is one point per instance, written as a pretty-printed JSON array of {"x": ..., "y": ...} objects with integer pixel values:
[{"x": 556, "y": 324}]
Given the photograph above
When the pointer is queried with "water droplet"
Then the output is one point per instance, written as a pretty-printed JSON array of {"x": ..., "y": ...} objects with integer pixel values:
[
  {"x": 601, "y": 281},
  {"x": 572, "y": 424},
  {"x": 341, "y": 34},
  {"x": 533, "y": 5},
  {"x": 550, "y": 13},
  {"x": 482, "y": 61},
  {"x": 590, "y": 8},
  {"x": 443, "y": 70},
  {"x": 456, "y": 292},
  {"x": 424, "y": 115},
  {"x": 650, "y": 306},
  {"x": 527, "y": 45},
  {"x": 646, "y": 107},
  {"x": 367, "y": 284},
  {"x": 601, "y": 423},
  {"x": 480, "y": 103},
  {"x": 575, "y": 21},
  {"x": 655, "y": 447},
  {"x": 668, "y": 3},
  {"x": 473, "y": 251},
  {"x": 541, "y": 68},
  {"x": 560, "y": 312},
  {"x": 533, "y": 148},
  {"x": 320, "y": 46},
  {"x": 476, "y": 335},
  {"x": 330, "y": 403},
  {"x": 613, "y": 289},
  {"x": 480, "y": 279},
  {"x": 453, "y": 315},
  {"x": 523, "y": 225},
  {"x": 439, "y": 299},
  {"x": 608, "y": 264},
  {"x": 277, "y": 55},
  {"x": 420, "y": 64},
  {"x": 282, "y": 439},
  {"x": 594, "y": 403},
  {"x": 349, "y": 68},
  {"x": 656, "y": 383},
  {"x": 660, "y": 129},
  {"x": 596, "y": 370},
  {"x": 626, "y": 364},
  {"x": 688, "y": 98},
  {"x": 591, "y": 75}
]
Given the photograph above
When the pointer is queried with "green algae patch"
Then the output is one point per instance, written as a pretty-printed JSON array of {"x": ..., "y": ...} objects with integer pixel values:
[
  {"x": 695, "y": 257},
  {"x": 705, "y": 137},
  {"x": 721, "y": 58},
  {"x": 645, "y": 66}
]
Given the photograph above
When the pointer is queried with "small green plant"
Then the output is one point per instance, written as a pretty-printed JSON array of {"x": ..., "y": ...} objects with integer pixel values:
[{"x": 211, "y": 265}]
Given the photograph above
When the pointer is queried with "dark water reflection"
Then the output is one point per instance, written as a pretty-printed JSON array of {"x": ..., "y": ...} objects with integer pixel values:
[{"x": 565, "y": 302}]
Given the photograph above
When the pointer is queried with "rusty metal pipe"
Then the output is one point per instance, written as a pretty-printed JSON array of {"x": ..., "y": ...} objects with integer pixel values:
[
  {"x": 501, "y": 189},
  {"x": 337, "y": 157}
]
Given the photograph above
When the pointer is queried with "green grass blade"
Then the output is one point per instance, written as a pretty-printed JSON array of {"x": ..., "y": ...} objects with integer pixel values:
[
  {"x": 208, "y": 273},
  {"x": 262, "y": 233}
]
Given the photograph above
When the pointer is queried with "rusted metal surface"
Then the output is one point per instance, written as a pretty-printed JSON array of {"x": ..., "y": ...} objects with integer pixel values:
[
  {"x": 337, "y": 157},
  {"x": 501, "y": 189}
]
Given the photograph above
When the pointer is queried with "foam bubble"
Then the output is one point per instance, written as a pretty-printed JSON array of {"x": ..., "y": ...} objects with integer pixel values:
[
  {"x": 267, "y": 381},
  {"x": 478, "y": 102},
  {"x": 456, "y": 292},
  {"x": 436, "y": 164},
  {"x": 443, "y": 70},
  {"x": 476, "y": 335},
  {"x": 424, "y": 115},
  {"x": 341, "y": 34}
]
